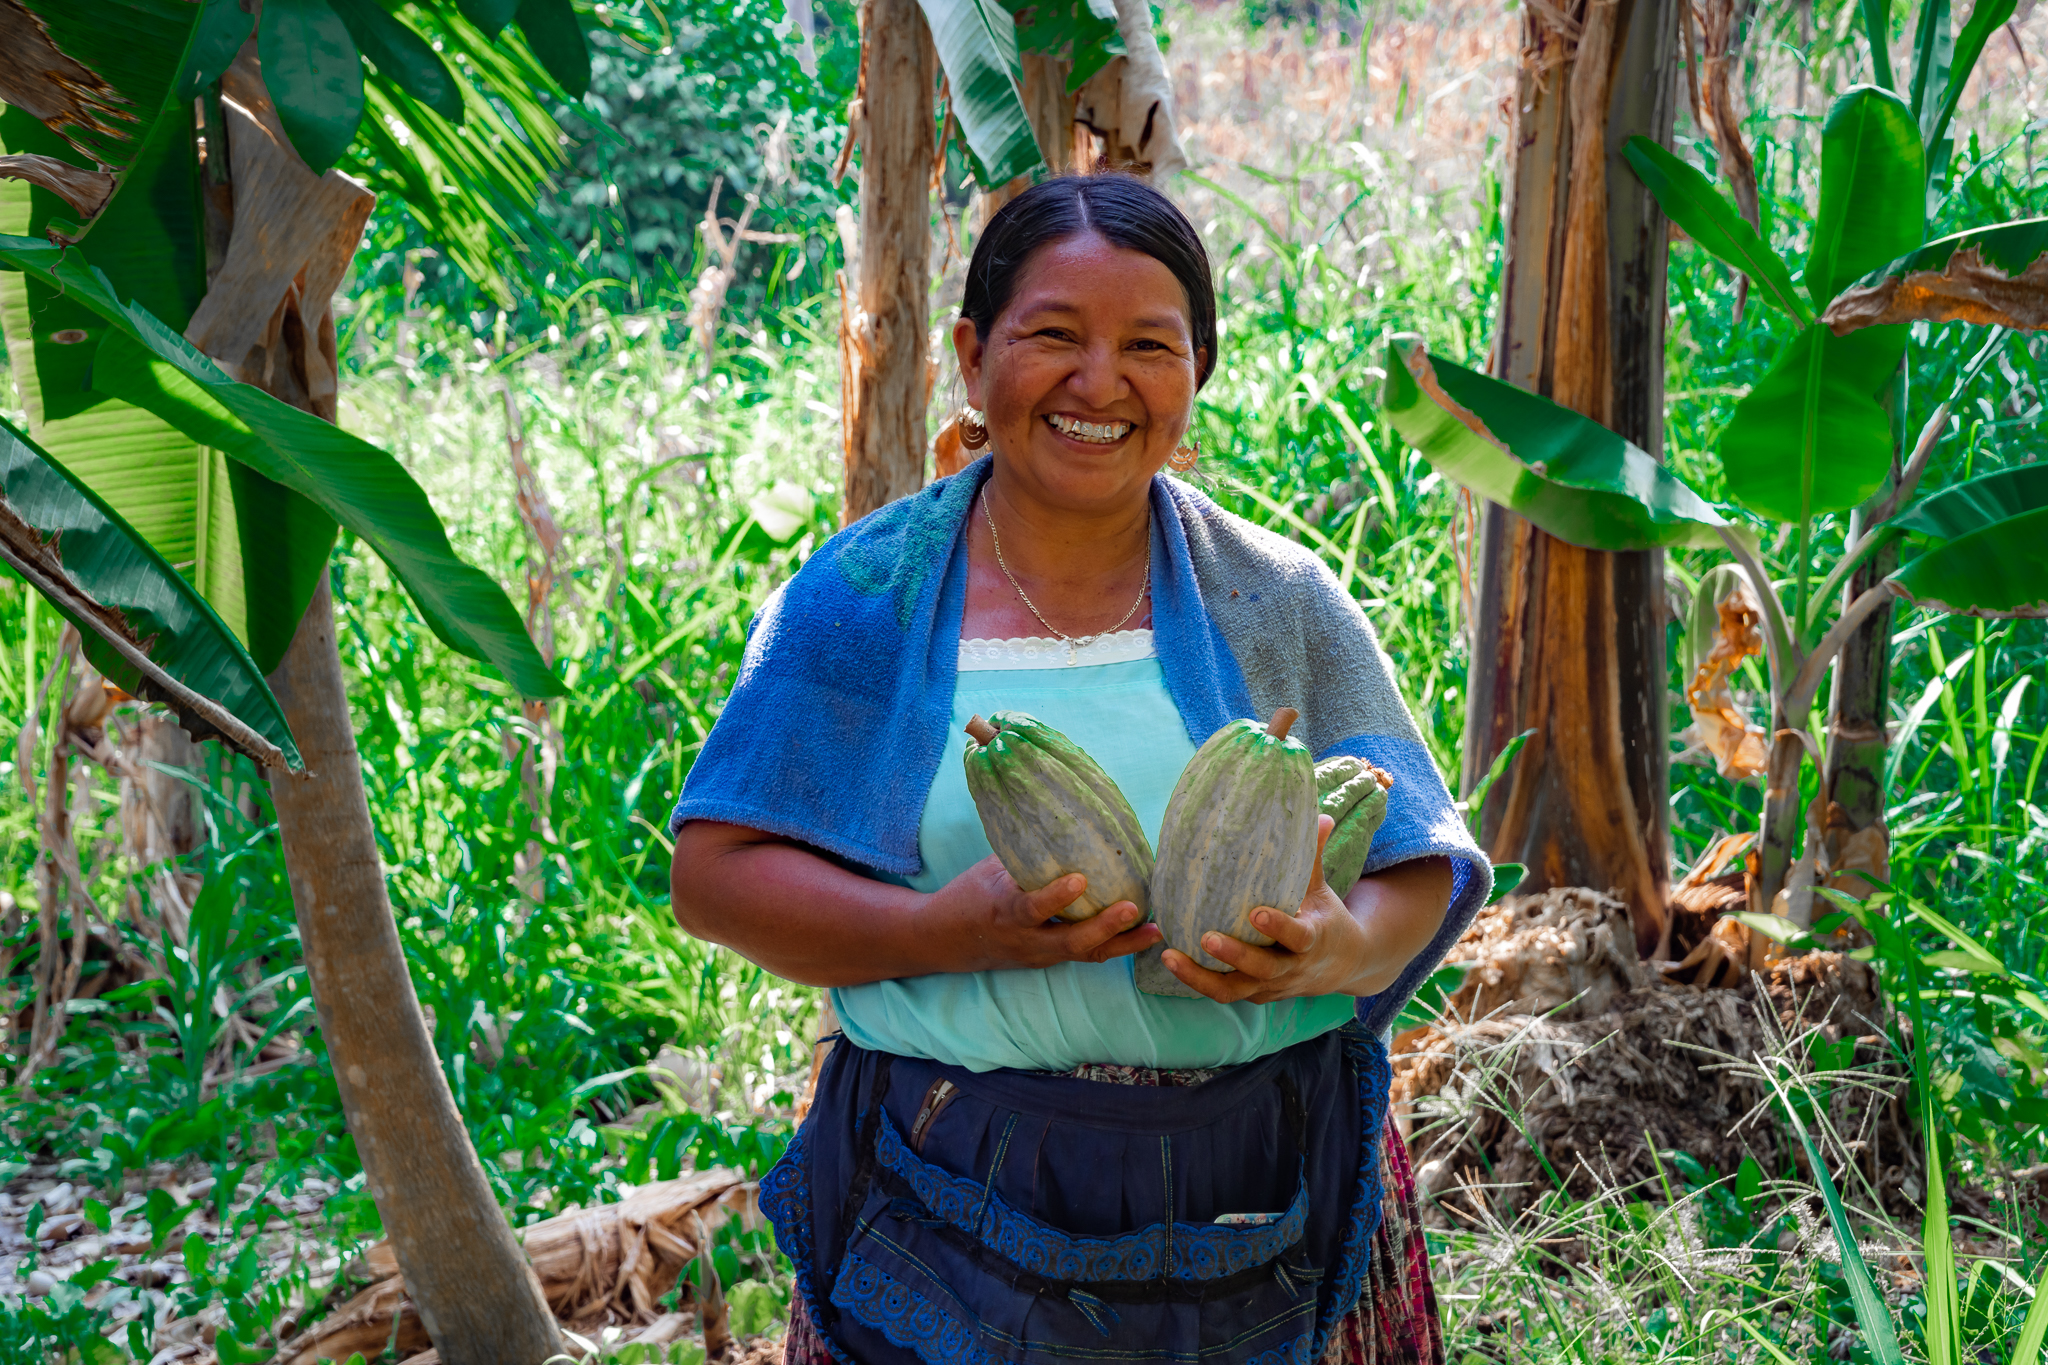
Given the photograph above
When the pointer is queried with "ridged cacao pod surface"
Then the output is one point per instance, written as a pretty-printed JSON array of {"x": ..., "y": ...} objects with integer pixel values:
[
  {"x": 1354, "y": 794},
  {"x": 1239, "y": 833},
  {"x": 1048, "y": 809}
]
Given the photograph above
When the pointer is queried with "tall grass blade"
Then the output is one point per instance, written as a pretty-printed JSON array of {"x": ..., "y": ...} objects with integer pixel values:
[{"x": 1879, "y": 1335}]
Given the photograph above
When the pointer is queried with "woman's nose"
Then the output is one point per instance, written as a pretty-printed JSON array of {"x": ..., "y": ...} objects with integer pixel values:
[{"x": 1098, "y": 380}]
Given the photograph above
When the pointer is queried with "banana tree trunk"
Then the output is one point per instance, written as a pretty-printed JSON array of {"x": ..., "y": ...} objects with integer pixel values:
[
  {"x": 1570, "y": 642},
  {"x": 476, "y": 1293},
  {"x": 885, "y": 368},
  {"x": 1856, "y": 722},
  {"x": 266, "y": 317}
]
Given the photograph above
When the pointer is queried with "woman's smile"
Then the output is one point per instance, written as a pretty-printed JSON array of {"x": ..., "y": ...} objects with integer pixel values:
[{"x": 1086, "y": 432}]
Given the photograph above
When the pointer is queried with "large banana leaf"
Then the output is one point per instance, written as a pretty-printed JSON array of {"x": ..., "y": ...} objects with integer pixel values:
[
  {"x": 1692, "y": 202},
  {"x": 1991, "y": 276},
  {"x": 1978, "y": 503},
  {"x": 1992, "y": 555},
  {"x": 1764, "y": 450},
  {"x": 2001, "y": 570},
  {"x": 145, "y": 363},
  {"x": 145, "y": 628},
  {"x": 977, "y": 43},
  {"x": 1872, "y": 190},
  {"x": 253, "y": 549},
  {"x": 1569, "y": 475}
]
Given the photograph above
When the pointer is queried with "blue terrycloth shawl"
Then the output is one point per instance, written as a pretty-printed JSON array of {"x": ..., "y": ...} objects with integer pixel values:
[{"x": 836, "y": 723}]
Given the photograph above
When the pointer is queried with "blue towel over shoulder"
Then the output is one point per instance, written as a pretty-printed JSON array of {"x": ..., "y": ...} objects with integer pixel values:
[{"x": 836, "y": 723}]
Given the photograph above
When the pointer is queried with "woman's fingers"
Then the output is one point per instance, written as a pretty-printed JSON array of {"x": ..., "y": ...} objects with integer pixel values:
[
  {"x": 1224, "y": 987},
  {"x": 1133, "y": 940},
  {"x": 1055, "y": 896}
]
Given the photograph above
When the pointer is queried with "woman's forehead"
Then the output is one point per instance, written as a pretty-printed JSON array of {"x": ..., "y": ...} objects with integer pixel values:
[{"x": 1088, "y": 273}]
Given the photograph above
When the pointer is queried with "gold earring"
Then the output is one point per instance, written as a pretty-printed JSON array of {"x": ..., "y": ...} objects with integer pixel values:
[
  {"x": 973, "y": 429},
  {"x": 1183, "y": 459}
]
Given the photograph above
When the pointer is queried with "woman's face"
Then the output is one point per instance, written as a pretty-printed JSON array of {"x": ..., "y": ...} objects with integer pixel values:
[{"x": 1087, "y": 378}]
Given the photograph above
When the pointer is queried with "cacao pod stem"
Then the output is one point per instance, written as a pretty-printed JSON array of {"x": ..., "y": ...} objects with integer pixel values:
[
  {"x": 1283, "y": 721},
  {"x": 981, "y": 731}
]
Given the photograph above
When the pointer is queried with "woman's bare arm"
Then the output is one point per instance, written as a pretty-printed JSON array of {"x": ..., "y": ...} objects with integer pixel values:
[{"x": 806, "y": 918}]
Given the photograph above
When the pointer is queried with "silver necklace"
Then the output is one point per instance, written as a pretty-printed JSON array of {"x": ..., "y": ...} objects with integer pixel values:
[{"x": 1074, "y": 643}]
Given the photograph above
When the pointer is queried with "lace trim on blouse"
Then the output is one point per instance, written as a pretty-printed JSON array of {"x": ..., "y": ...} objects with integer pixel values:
[{"x": 1037, "y": 651}]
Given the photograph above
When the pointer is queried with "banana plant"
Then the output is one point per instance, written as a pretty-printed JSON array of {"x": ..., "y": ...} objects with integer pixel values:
[
  {"x": 1821, "y": 431},
  {"x": 981, "y": 45},
  {"x": 1980, "y": 543}
]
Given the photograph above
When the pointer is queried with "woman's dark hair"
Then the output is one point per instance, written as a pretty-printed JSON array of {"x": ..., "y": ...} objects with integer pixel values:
[{"x": 1122, "y": 208}]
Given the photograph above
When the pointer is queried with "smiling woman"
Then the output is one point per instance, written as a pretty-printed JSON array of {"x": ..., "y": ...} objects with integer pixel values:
[{"x": 1017, "y": 1154}]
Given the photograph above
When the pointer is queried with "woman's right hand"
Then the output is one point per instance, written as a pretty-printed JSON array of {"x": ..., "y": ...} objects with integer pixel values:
[{"x": 983, "y": 921}]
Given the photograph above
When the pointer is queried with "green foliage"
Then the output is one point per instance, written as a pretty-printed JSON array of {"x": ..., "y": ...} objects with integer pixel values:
[
  {"x": 314, "y": 75},
  {"x": 163, "y": 622},
  {"x": 1571, "y": 476}
]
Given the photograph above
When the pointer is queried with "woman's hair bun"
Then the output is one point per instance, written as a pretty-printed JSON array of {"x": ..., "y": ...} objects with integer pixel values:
[{"x": 1125, "y": 211}]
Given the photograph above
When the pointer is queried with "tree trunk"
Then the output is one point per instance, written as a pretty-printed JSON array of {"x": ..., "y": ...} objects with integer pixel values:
[
  {"x": 1570, "y": 642},
  {"x": 1856, "y": 720},
  {"x": 885, "y": 368},
  {"x": 477, "y": 1295},
  {"x": 266, "y": 315}
]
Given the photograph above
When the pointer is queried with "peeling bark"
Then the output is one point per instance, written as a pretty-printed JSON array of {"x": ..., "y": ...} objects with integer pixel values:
[
  {"x": 1570, "y": 642},
  {"x": 883, "y": 341}
]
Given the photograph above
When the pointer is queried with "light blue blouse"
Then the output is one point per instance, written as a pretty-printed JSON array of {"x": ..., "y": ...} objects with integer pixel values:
[{"x": 1059, "y": 1017}]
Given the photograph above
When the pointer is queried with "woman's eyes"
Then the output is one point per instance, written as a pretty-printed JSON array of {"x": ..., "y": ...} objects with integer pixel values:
[{"x": 1061, "y": 334}]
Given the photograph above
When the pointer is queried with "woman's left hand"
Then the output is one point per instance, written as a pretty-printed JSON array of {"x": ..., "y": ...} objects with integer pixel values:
[{"x": 1330, "y": 947}]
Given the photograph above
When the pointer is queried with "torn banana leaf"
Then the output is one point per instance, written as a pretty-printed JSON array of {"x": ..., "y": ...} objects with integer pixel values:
[
  {"x": 145, "y": 628},
  {"x": 1568, "y": 474},
  {"x": 1990, "y": 276},
  {"x": 143, "y": 362}
]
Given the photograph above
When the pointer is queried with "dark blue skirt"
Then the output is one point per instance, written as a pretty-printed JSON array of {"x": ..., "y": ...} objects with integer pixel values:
[{"x": 941, "y": 1215}]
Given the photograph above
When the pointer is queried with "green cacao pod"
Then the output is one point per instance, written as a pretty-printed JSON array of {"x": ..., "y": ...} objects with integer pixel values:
[
  {"x": 1240, "y": 832},
  {"x": 1354, "y": 794},
  {"x": 1048, "y": 809}
]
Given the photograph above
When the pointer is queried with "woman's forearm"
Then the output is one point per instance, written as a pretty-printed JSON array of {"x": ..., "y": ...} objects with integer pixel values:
[
  {"x": 1400, "y": 909},
  {"x": 792, "y": 911},
  {"x": 804, "y": 917}
]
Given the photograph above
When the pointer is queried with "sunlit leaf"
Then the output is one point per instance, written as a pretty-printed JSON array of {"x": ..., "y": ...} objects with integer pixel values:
[
  {"x": 1571, "y": 476},
  {"x": 144, "y": 626},
  {"x": 977, "y": 44},
  {"x": 1762, "y": 448},
  {"x": 1990, "y": 276},
  {"x": 1872, "y": 190},
  {"x": 1690, "y": 200},
  {"x": 362, "y": 487}
]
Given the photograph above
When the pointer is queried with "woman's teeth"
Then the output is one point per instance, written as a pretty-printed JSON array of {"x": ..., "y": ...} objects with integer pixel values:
[{"x": 1101, "y": 433}]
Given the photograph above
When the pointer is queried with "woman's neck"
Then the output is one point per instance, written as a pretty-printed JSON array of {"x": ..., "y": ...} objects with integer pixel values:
[{"x": 1083, "y": 570}]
